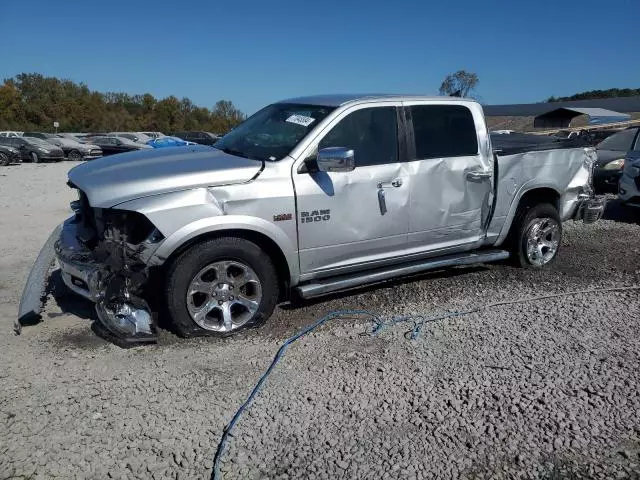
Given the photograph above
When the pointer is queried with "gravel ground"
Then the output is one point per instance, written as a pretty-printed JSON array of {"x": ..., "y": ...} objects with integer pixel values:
[{"x": 537, "y": 390}]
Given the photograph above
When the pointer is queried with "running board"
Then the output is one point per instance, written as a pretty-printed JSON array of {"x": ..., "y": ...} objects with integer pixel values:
[{"x": 344, "y": 282}]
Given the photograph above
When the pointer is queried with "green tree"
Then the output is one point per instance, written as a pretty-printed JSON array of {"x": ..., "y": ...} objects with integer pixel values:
[
  {"x": 459, "y": 84},
  {"x": 31, "y": 101},
  {"x": 225, "y": 116},
  {"x": 595, "y": 94}
]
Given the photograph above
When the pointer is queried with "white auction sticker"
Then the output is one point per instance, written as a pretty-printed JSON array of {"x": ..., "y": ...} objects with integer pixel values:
[{"x": 301, "y": 120}]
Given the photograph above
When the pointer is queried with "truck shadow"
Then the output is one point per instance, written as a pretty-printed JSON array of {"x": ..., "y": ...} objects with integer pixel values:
[
  {"x": 297, "y": 302},
  {"x": 618, "y": 212},
  {"x": 68, "y": 302}
]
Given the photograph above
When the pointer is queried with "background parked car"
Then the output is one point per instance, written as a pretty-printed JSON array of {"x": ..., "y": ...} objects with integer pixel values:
[
  {"x": 10, "y": 134},
  {"x": 9, "y": 155},
  {"x": 111, "y": 144},
  {"x": 78, "y": 137},
  {"x": 73, "y": 149},
  {"x": 611, "y": 153},
  {"x": 203, "y": 138},
  {"x": 154, "y": 134},
  {"x": 133, "y": 136},
  {"x": 34, "y": 149},
  {"x": 629, "y": 186},
  {"x": 168, "y": 142}
]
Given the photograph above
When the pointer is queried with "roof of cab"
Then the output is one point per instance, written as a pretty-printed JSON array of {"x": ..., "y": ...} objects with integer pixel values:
[{"x": 337, "y": 100}]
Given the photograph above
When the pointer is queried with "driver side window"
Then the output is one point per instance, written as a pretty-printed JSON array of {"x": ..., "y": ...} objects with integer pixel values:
[{"x": 372, "y": 133}]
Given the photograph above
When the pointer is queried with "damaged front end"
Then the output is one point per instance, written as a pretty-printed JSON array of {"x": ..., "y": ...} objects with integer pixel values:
[
  {"x": 103, "y": 255},
  {"x": 588, "y": 206}
]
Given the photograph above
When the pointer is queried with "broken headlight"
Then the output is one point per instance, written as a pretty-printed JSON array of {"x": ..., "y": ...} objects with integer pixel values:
[{"x": 132, "y": 227}]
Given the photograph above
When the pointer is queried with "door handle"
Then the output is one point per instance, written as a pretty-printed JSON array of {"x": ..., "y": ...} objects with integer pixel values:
[
  {"x": 382, "y": 202},
  {"x": 478, "y": 176},
  {"x": 396, "y": 182}
]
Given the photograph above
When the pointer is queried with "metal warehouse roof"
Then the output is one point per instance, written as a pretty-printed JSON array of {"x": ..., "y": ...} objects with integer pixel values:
[
  {"x": 596, "y": 112},
  {"x": 618, "y": 104},
  {"x": 561, "y": 117}
]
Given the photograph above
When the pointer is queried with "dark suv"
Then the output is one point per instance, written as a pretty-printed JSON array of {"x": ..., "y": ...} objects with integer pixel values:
[
  {"x": 34, "y": 149},
  {"x": 203, "y": 138},
  {"x": 611, "y": 158}
]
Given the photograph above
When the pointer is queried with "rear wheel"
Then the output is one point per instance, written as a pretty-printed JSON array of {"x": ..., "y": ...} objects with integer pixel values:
[
  {"x": 221, "y": 286},
  {"x": 4, "y": 160},
  {"x": 537, "y": 236},
  {"x": 75, "y": 155},
  {"x": 35, "y": 158}
]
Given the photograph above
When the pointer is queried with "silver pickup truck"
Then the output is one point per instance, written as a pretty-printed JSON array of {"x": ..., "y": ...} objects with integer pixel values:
[{"x": 306, "y": 197}]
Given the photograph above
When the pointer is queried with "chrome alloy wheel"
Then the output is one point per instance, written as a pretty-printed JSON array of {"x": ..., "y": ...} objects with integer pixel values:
[
  {"x": 223, "y": 296},
  {"x": 543, "y": 240}
]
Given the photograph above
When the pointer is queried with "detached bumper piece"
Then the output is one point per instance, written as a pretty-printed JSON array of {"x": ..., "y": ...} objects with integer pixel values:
[
  {"x": 35, "y": 290},
  {"x": 590, "y": 209},
  {"x": 128, "y": 319}
]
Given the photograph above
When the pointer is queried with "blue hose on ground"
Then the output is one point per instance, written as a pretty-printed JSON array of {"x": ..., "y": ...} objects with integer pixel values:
[
  {"x": 379, "y": 324},
  {"x": 215, "y": 474},
  {"x": 418, "y": 322}
]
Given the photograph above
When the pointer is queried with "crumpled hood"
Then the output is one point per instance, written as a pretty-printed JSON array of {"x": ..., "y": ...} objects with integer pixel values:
[{"x": 111, "y": 180}]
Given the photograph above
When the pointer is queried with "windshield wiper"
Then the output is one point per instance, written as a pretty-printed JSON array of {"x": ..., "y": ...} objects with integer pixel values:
[{"x": 237, "y": 153}]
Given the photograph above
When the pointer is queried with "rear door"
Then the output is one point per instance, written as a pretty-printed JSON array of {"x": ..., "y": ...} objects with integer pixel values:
[
  {"x": 451, "y": 167},
  {"x": 106, "y": 143},
  {"x": 353, "y": 220}
]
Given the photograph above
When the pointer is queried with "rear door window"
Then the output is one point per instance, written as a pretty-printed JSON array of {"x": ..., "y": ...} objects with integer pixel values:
[{"x": 443, "y": 131}]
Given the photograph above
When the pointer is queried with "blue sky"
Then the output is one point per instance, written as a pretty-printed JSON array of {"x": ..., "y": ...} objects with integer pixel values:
[{"x": 255, "y": 52}]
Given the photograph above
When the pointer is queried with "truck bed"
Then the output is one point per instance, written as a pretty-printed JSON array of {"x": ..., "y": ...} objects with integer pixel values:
[
  {"x": 555, "y": 166},
  {"x": 512, "y": 143}
]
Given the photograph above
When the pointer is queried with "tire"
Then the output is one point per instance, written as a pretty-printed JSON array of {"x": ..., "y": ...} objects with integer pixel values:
[
  {"x": 35, "y": 158},
  {"x": 75, "y": 156},
  {"x": 537, "y": 236},
  {"x": 219, "y": 287},
  {"x": 4, "y": 160}
]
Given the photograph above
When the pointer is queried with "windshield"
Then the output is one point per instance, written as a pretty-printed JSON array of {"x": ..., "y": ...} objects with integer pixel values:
[
  {"x": 620, "y": 141},
  {"x": 38, "y": 135},
  {"x": 273, "y": 132},
  {"x": 39, "y": 142}
]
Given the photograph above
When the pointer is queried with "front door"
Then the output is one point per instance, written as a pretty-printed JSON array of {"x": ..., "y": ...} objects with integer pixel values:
[
  {"x": 451, "y": 167},
  {"x": 21, "y": 145},
  {"x": 353, "y": 220}
]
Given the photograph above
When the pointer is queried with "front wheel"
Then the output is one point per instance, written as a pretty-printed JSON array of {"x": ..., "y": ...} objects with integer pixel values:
[
  {"x": 35, "y": 158},
  {"x": 4, "y": 160},
  {"x": 75, "y": 156},
  {"x": 538, "y": 236},
  {"x": 221, "y": 286}
]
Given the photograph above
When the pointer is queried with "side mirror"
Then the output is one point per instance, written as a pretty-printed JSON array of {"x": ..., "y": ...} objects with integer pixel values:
[{"x": 336, "y": 159}]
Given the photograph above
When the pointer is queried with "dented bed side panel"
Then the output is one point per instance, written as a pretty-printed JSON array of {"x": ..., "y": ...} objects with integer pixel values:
[{"x": 566, "y": 171}]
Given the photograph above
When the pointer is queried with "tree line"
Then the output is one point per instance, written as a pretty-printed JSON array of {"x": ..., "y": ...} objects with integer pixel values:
[
  {"x": 30, "y": 101},
  {"x": 593, "y": 94}
]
